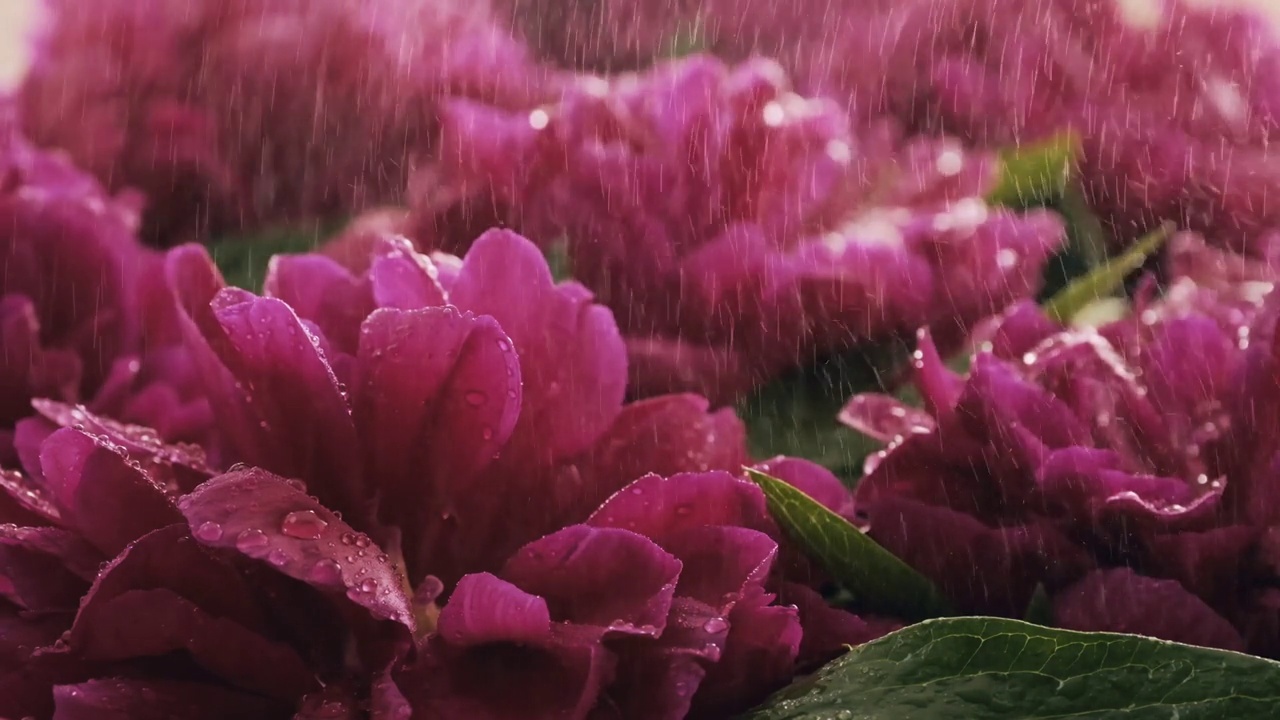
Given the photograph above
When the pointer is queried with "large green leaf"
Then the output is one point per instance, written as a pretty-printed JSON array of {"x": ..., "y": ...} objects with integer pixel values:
[
  {"x": 1036, "y": 173},
  {"x": 992, "y": 669},
  {"x": 878, "y": 581},
  {"x": 1105, "y": 279}
]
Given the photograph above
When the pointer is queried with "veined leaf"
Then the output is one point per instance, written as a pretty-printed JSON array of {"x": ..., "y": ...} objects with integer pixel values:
[
  {"x": 878, "y": 580},
  {"x": 993, "y": 669}
]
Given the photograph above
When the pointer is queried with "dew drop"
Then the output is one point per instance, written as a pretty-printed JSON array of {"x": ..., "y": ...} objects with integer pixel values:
[
  {"x": 715, "y": 625},
  {"x": 303, "y": 524},
  {"x": 347, "y": 538},
  {"x": 326, "y": 571},
  {"x": 476, "y": 398},
  {"x": 362, "y": 541},
  {"x": 278, "y": 557},
  {"x": 368, "y": 585},
  {"x": 486, "y": 432},
  {"x": 209, "y": 532},
  {"x": 251, "y": 541}
]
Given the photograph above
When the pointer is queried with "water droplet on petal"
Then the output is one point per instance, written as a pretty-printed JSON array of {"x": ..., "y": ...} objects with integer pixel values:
[
  {"x": 476, "y": 398},
  {"x": 278, "y": 557},
  {"x": 362, "y": 541},
  {"x": 209, "y": 532},
  {"x": 715, "y": 625},
  {"x": 252, "y": 541},
  {"x": 303, "y": 524},
  {"x": 325, "y": 572},
  {"x": 368, "y": 585}
]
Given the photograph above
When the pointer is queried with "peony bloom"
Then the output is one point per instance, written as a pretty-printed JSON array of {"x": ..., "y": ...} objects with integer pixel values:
[
  {"x": 82, "y": 312},
  {"x": 661, "y": 605},
  {"x": 1128, "y": 469},
  {"x": 407, "y": 449},
  {"x": 1176, "y": 104},
  {"x": 735, "y": 228},
  {"x": 230, "y": 114}
]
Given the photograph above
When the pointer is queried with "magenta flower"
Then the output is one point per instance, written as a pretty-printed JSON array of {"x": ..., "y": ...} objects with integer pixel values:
[
  {"x": 659, "y": 606},
  {"x": 734, "y": 227},
  {"x": 82, "y": 312},
  {"x": 1176, "y": 105},
  {"x": 474, "y": 405},
  {"x": 230, "y": 114},
  {"x": 1128, "y": 469},
  {"x": 408, "y": 450}
]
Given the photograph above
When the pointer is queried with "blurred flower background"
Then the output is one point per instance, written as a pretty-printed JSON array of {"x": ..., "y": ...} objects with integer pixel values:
[{"x": 636, "y": 357}]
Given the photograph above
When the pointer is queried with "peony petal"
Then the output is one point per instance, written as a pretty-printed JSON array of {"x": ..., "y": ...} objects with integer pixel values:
[
  {"x": 659, "y": 507},
  {"x": 121, "y": 699},
  {"x": 45, "y": 569},
  {"x": 663, "y": 435},
  {"x": 1120, "y": 600},
  {"x": 438, "y": 395},
  {"x": 605, "y": 577},
  {"x": 759, "y": 657},
  {"x": 322, "y": 291},
  {"x": 884, "y": 417},
  {"x": 1081, "y": 483},
  {"x": 572, "y": 357},
  {"x": 170, "y": 465},
  {"x": 135, "y": 610},
  {"x": 982, "y": 569},
  {"x": 267, "y": 518},
  {"x": 827, "y": 629},
  {"x": 722, "y": 564},
  {"x": 276, "y": 359},
  {"x": 1212, "y": 564},
  {"x": 485, "y": 609},
  {"x": 25, "y": 502},
  {"x": 110, "y": 501},
  {"x": 402, "y": 278}
]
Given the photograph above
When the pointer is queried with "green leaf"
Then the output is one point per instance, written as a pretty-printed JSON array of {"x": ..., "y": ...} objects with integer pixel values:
[
  {"x": 878, "y": 580},
  {"x": 993, "y": 669},
  {"x": 243, "y": 260},
  {"x": 1037, "y": 173},
  {"x": 557, "y": 254},
  {"x": 1105, "y": 279}
]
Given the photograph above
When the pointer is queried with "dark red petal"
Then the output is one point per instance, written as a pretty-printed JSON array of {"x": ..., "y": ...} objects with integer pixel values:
[
  {"x": 572, "y": 357},
  {"x": 265, "y": 517},
  {"x": 663, "y": 435},
  {"x": 120, "y": 699},
  {"x": 827, "y": 629},
  {"x": 295, "y": 394},
  {"x": 102, "y": 493},
  {"x": 45, "y": 569},
  {"x": 884, "y": 417},
  {"x": 605, "y": 577},
  {"x": 164, "y": 594},
  {"x": 402, "y": 278},
  {"x": 658, "y": 507},
  {"x": 485, "y": 609},
  {"x": 438, "y": 394},
  {"x": 982, "y": 569},
  {"x": 722, "y": 564},
  {"x": 322, "y": 291},
  {"x": 170, "y": 465},
  {"x": 759, "y": 656},
  {"x": 1120, "y": 600},
  {"x": 25, "y": 502}
]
